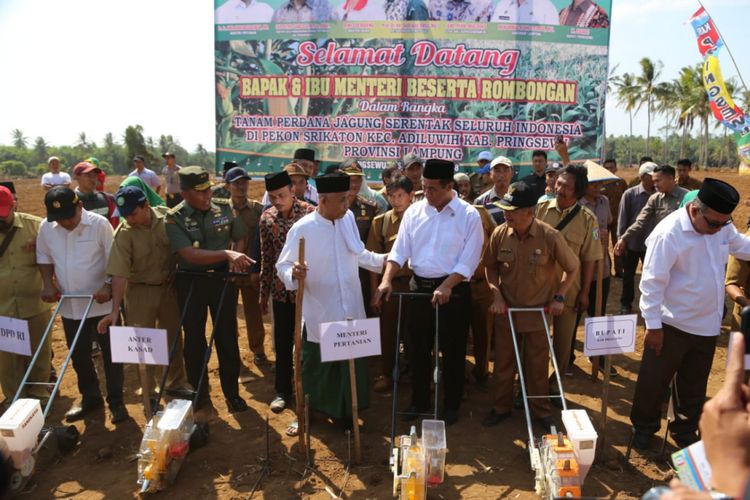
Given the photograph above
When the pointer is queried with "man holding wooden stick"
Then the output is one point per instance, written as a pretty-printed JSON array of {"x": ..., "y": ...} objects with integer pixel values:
[{"x": 332, "y": 292}]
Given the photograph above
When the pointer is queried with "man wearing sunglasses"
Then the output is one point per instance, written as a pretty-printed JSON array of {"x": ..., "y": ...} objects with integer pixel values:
[{"x": 682, "y": 298}]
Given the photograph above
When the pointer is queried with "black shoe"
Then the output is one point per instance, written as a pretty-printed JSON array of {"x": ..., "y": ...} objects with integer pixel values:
[
  {"x": 412, "y": 413},
  {"x": 260, "y": 359},
  {"x": 78, "y": 411},
  {"x": 546, "y": 423},
  {"x": 181, "y": 393},
  {"x": 236, "y": 405},
  {"x": 613, "y": 372},
  {"x": 494, "y": 418},
  {"x": 641, "y": 440},
  {"x": 118, "y": 412},
  {"x": 684, "y": 440},
  {"x": 450, "y": 417}
]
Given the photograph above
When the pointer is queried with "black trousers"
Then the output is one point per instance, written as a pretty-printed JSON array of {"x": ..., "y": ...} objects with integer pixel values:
[
  {"x": 592, "y": 297},
  {"x": 454, "y": 321},
  {"x": 206, "y": 294},
  {"x": 88, "y": 382},
  {"x": 283, "y": 339},
  {"x": 687, "y": 356},
  {"x": 630, "y": 264}
]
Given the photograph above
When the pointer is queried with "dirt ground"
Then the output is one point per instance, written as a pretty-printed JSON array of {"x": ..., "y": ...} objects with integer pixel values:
[{"x": 482, "y": 463}]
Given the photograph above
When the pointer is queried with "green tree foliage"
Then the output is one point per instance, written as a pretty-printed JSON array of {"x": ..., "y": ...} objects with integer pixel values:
[{"x": 114, "y": 157}]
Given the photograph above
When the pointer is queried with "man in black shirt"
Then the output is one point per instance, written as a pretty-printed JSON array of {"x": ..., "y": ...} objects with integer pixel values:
[{"x": 538, "y": 179}]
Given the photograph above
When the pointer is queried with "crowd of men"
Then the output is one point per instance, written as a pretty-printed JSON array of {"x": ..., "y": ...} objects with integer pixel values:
[{"x": 469, "y": 246}]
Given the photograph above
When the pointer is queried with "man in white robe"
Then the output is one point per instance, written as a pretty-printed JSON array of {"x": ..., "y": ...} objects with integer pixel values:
[{"x": 333, "y": 254}]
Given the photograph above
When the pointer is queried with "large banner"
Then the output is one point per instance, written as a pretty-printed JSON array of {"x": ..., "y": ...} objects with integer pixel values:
[{"x": 377, "y": 79}]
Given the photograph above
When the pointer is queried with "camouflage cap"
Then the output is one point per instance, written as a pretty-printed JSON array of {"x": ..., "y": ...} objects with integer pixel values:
[
  {"x": 411, "y": 158},
  {"x": 194, "y": 177}
]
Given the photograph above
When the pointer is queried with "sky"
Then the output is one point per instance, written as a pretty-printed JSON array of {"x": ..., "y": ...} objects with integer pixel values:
[{"x": 97, "y": 67}]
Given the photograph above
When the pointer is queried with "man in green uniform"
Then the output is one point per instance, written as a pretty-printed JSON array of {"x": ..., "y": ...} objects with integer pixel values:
[
  {"x": 249, "y": 212},
  {"x": 20, "y": 297},
  {"x": 580, "y": 229},
  {"x": 142, "y": 266},
  {"x": 200, "y": 231}
]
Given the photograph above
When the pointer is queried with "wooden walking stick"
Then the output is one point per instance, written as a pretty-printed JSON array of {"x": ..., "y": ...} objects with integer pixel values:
[
  {"x": 299, "y": 397},
  {"x": 355, "y": 412}
]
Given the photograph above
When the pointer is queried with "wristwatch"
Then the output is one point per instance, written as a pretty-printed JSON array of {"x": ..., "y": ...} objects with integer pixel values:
[
  {"x": 558, "y": 298},
  {"x": 108, "y": 280}
]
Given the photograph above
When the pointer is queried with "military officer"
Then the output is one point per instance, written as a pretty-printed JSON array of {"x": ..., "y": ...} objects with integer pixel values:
[
  {"x": 142, "y": 266},
  {"x": 580, "y": 229},
  {"x": 201, "y": 231},
  {"x": 522, "y": 261},
  {"x": 222, "y": 190},
  {"x": 249, "y": 212},
  {"x": 20, "y": 297}
]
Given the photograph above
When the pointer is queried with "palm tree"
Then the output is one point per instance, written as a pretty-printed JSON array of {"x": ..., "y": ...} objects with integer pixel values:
[
  {"x": 19, "y": 140},
  {"x": 627, "y": 98},
  {"x": 694, "y": 105},
  {"x": 666, "y": 97},
  {"x": 650, "y": 72},
  {"x": 40, "y": 150}
]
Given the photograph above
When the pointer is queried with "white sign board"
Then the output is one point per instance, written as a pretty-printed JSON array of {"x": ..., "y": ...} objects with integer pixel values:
[
  {"x": 609, "y": 335},
  {"x": 14, "y": 336},
  {"x": 352, "y": 339},
  {"x": 139, "y": 345}
]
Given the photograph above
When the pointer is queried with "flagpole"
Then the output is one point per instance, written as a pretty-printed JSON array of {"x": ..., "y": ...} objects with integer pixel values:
[{"x": 736, "y": 67}]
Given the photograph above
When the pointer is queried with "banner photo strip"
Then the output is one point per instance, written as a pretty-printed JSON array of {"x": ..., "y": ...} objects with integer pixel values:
[{"x": 375, "y": 80}]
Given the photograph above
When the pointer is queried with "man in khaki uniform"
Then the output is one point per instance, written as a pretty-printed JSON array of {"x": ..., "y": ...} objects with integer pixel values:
[
  {"x": 249, "y": 212},
  {"x": 737, "y": 284},
  {"x": 20, "y": 297},
  {"x": 522, "y": 263},
  {"x": 380, "y": 240},
  {"x": 580, "y": 229},
  {"x": 141, "y": 264},
  {"x": 482, "y": 322}
]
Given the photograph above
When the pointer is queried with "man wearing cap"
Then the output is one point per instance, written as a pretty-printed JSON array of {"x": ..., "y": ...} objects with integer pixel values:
[
  {"x": 20, "y": 298},
  {"x": 97, "y": 202},
  {"x": 171, "y": 179},
  {"x": 666, "y": 200},
  {"x": 147, "y": 175},
  {"x": 72, "y": 250},
  {"x": 305, "y": 158},
  {"x": 413, "y": 166},
  {"x": 614, "y": 191},
  {"x": 682, "y": 299},
  {"x": 275, "y": 222},
  {"x": 522, "y": 264},
  {"x": 381, "y": 238},
  {"x": 201, "y": 231},
  {"x": 581, "y": 232},
  {"x": 142, "y": 265},
  {"x": 537, "y": 180},
  {"x": 478, "y": 178},
  {"x": 633, "y": 201},
  {"x": 550, "y": 174},
  {"x": 54, "y": 177},
  {"x": 222, "y": 190},
  {"x": 333, "y": 254},
  {"x": 300, "y": 184},
  {"x": 248, "y": 211},
  {"x": 463, "y": 187},
  {"x": 501, "y": 172},
  {"x": 441, "y": 237}
]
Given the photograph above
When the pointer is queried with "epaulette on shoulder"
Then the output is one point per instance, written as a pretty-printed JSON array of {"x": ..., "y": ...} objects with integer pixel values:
[
  {"x": 221, "y": 201},
  {"x": 175, "y": 209},
  {"x": 366, "y": 201}
]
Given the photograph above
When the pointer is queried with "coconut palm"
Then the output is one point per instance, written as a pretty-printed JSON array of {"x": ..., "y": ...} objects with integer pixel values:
[
  {"x": 694, "y": 105},
  {"x": 19, "y": 140},
  {"x": 647, "y": 81},
  {"x": 627, "y": 98},
  {"x": 667, "y": 99}
]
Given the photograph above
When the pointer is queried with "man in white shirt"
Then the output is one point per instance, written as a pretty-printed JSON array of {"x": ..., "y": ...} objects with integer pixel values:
[
  {"x": 682, "y": 298},
  {"x": 525, "y": 12},
  {"x": 441, "y": 237},
  {"x": 72, "y": 250},
  {"x": 54, "y": 177},
  {"x": 333, "y": 254},
  {"x": 148, "y": 176},
  {"x": 243, "y": 11}
]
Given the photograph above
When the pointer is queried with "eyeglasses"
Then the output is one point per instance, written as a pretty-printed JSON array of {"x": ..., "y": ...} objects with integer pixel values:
[{"x": 714, "y": 224}]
